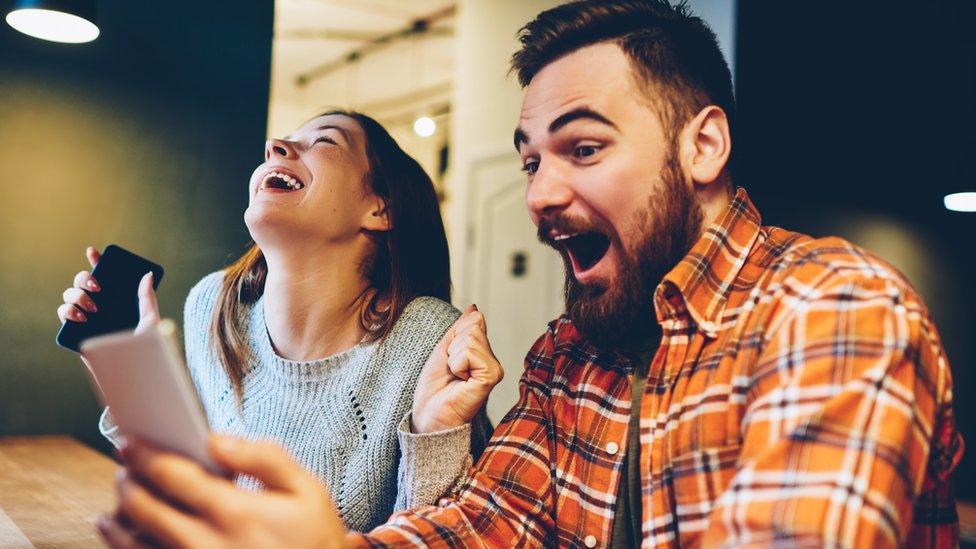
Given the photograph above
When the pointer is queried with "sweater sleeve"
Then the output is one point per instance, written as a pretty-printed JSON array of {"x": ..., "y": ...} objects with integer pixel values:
[
  {"x": 108, "y": 428},
  {"x": 430, "y": 464}
]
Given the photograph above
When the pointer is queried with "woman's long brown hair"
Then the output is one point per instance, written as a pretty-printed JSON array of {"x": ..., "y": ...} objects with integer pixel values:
[{"x": 410, "y": 259}]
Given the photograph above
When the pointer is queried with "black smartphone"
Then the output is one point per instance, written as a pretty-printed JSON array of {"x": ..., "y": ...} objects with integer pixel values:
[{"x": 118, "y": 273}]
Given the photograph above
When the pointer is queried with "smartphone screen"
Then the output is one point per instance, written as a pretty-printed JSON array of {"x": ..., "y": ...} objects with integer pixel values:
[{"x": 118, "y": 273}]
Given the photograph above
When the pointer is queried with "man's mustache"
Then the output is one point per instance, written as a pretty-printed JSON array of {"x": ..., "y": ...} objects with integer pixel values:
[{"x": 565, "y": 224}]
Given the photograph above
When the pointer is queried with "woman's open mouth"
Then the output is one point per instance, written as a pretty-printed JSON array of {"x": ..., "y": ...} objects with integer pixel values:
[
  {"x": 584, "y": 249},
  {"x": 276, "y": 181}
]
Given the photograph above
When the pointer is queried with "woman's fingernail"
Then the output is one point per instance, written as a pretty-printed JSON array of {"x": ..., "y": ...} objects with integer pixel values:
[
  {"x": 80, "y": 316},
  {"x": 93, "y": 286}
]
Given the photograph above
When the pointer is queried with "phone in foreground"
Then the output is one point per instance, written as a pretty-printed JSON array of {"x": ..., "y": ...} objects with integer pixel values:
[
  {"x": 118, "y": 273},
  {"x": 143, "y": 380}
]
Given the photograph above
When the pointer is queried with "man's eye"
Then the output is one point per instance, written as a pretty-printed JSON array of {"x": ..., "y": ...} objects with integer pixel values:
[
  {"x": 324, "y": 139},
  {"x": 530, "y": 167},
  {"x": 584, "y": 151}
]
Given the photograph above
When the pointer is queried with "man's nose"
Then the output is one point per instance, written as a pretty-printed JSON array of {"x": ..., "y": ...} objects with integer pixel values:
[
  {"x": 278, "y": 148},
  {"x": 549, "y": 191}
]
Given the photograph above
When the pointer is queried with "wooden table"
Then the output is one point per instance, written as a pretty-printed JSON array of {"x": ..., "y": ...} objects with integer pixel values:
[
  {"x": 51, "y": 491},
  {"x": 53, "y": 488}
]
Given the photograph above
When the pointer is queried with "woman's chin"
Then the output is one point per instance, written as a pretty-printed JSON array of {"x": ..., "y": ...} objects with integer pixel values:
[{"x": 266, "y": 219}]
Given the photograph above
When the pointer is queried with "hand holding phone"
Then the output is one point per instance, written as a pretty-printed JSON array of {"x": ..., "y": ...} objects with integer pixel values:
[{"x": 117, "y": 295}]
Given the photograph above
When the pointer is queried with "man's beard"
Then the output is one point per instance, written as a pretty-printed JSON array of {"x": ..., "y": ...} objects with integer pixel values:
[{"x": 618, "y": 315}]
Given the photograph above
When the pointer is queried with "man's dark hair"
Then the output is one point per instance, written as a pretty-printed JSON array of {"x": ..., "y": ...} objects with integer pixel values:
[{"x": 673, "y": 52}]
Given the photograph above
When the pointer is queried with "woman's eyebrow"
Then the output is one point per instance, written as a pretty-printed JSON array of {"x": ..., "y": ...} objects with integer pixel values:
[{"x": 343, "y": 131}]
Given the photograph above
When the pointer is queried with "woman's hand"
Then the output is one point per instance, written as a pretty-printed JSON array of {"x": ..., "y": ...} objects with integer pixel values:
[
  {"x": 458, "y": 376},
  {"x": 77, "y": 302},
  {"x": 168, "y": 500}
]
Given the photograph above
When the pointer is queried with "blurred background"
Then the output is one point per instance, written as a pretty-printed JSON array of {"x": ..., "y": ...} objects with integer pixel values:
[{"x": 855, "y": 119}]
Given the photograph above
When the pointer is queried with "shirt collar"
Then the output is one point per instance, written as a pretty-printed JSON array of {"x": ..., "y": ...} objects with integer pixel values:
[{"x": 704, "y": 277}]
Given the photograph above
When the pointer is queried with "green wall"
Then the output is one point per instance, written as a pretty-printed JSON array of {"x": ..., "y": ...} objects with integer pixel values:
[{"x": 146, "y": 138}]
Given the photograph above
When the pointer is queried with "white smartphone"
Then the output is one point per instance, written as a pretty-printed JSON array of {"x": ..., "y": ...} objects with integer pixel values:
[{"x": 144, "y": 381}]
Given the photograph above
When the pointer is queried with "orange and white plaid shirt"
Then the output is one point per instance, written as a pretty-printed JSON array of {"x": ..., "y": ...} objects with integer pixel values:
[{"x": 800, "y": 396}]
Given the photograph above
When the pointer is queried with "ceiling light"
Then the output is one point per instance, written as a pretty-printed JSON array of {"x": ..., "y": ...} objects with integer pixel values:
[
  {"x": 961, "y": 202},
  {"x": 424, "y": 126},
  {"x": 66, "y": 21}
]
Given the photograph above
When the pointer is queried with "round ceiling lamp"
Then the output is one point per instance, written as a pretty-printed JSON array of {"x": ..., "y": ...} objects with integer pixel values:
[
  {"x": 424, "y": 126},
  {"x": 68, "y": 21},
  {"x": 961, "y": 202}
]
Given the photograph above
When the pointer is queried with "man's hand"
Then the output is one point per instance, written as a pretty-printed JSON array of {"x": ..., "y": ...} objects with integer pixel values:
[
  {"x": 458, "y": 376},
  {"x": 169, "y": 500}
]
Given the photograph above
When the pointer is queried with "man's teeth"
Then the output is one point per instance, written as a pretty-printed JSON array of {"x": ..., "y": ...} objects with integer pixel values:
[
  {"x": 289, "y": 180},
  {"x": 561, "y": 237}
]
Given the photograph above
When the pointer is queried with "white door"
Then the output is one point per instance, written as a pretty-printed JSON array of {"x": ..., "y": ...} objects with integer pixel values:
[{"x": 515, "y": 280}]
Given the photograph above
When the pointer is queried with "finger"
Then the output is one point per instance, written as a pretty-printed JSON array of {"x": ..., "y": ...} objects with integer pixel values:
[
  {"x": 93, "y": 255},
  {"x": 155, "y": 517},
  {"x": 84, "y": 280},
  {"x": 459, "y": 364},
  {"x": 465, "y": 317},
  {"x": 80, "y": 299},
  {"x": 485, "y": 368},
  {"x": 175, "y": 477},
  {"x": 70, "y": 312},
  {"x": 265, "y": 461},
  {"x": 148, "y": 306},
  {"x": 440, "y": 350},
  {"x": 457, "y": 344},
  {"x": 462, "y": 339},
  {"x": 471, "y": 319},
  {"x": 115, "y": 535}
]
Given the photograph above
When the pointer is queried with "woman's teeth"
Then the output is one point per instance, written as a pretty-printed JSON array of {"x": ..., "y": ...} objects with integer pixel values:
[{"x": 286, "y": 181}]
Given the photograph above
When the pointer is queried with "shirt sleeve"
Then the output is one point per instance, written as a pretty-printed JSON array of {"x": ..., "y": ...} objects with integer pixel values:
[
  {"x": 506, "y": 498},
  {"x": 846, "y": 423}
]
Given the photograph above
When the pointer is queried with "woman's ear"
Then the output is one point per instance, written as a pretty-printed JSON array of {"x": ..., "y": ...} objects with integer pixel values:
[{"x": 377, "y": 216}]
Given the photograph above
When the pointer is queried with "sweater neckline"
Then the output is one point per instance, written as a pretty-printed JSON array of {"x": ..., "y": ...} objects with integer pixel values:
[{"x": 300, "y": 370}]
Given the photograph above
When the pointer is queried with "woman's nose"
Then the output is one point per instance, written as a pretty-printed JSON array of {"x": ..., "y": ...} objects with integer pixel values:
[{"x": 279, "y": 148}]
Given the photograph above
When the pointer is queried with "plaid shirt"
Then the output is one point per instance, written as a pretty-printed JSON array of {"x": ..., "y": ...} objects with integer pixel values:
[{"x": 800, "y": 396}]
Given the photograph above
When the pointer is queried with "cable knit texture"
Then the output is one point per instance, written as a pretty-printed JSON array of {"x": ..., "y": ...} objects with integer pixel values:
[{"x": 338, "y": 416}]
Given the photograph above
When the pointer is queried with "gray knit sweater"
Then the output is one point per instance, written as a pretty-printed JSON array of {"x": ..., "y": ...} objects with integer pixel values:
[{"x": 343, "y": 417}]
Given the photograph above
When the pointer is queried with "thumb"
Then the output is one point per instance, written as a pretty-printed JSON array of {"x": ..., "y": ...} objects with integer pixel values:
[
  {"x": 262, "y": 460},
  {"x": 93, "y": 255},
  {"x": 148, "y": 306}
]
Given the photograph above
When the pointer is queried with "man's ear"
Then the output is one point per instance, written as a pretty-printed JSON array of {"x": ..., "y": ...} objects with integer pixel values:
[
  {"x": 707, "y": 144},
  {"x": 377, "y": 216}
]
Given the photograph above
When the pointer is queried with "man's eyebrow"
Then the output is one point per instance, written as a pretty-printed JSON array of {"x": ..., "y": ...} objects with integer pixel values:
[
  {"x": 582, "y": 113},
  {"x": 520, "y": 137}
]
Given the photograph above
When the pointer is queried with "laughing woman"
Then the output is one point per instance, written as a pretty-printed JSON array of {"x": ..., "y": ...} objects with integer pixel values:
[{"x": 316, "y": 336}]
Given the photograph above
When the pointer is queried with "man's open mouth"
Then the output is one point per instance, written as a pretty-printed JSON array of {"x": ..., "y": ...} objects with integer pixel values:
[
  {"x": 584, "y": 249},
  {"x": 280, "y": 181}
]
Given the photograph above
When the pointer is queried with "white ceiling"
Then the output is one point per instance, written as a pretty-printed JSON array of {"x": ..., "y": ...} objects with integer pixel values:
[
  {"x": 405, "y": 78},
  {"x": 395, "y": 84}
]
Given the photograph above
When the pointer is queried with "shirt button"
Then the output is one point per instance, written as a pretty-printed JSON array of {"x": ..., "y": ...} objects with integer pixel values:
[
  {"x": 612, "y": 448},
  {"x": 590, "y": 541}
]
